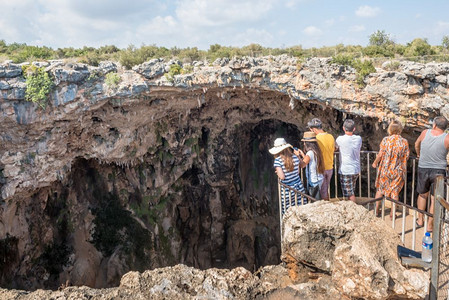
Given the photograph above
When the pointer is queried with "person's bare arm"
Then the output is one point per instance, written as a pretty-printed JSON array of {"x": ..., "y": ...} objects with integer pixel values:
[
  {"x": 280, "y": 173},
  {"x": 304, "y": 158},
  {"x": 379, "y": 155},
  {"x": 377, "y": 160},
  {"x": 419, "y": 140}
]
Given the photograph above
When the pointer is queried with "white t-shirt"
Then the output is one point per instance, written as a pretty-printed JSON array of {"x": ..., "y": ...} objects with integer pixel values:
[
  {"x": 349, "y": 148},
  {"x": 314, "y": 176}
]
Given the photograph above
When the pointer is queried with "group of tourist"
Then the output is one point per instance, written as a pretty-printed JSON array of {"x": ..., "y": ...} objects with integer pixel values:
[{"x": 391, "y": 161}]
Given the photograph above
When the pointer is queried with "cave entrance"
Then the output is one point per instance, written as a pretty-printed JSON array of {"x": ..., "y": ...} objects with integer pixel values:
[{"x": 200, "y": 196}]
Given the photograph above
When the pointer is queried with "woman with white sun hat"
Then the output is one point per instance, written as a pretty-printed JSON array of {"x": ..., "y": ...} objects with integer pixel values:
[{"x": 286, "y": 165}]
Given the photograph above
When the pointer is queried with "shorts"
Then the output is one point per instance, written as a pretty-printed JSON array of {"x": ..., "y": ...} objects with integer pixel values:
[
  {"x": 348, "y": 183},
  {"x": 426, "y": 177}
]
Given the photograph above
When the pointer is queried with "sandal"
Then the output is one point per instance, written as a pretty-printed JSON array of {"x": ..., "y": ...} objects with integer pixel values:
[{"x": 417, "y": 224}]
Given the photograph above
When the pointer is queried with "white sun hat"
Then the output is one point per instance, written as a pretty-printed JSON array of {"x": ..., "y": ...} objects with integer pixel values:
[{"x": 279, "y": 145}]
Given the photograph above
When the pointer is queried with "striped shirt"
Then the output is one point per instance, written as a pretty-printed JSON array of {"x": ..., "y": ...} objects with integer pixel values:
[{"x": 291, "y": 178}]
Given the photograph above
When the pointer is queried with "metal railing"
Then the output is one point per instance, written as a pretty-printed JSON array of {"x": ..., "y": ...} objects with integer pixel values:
[
  {"x": 366, "y": 189},
  {"x": 291, "y": 197},
  {"x": 406, "y": 207},
  {"x": 439, "y": 285}
]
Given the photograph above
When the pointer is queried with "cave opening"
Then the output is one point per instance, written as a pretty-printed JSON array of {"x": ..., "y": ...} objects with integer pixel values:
[{"x": 200, "y": 196}]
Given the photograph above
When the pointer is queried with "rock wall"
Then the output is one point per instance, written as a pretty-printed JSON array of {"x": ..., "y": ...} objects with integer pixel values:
[
  {"x": 330, "y": 251},
  {"x": 158, "y": 170}
]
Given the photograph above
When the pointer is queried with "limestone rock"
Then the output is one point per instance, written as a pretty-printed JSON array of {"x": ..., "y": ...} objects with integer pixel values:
[
  {"x": 191, "y": 131},
  {"x": 10, "y": 70},
  {"x": 151, "y": 69},
  {"x": 357, "y": 249},
  {"x": 182, "y": 282},
  {"x": 71, "y": 73}
]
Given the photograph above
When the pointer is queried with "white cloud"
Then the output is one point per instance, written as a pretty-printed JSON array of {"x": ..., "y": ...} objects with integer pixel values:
[
  {"x": 367, "y": 11},
  {"x": 197, "y": 13},
  {"x": 158, "y": 26},
  {"x": 329, "y": 22},
  {"x": 293, "y": 3},
  {"x": 312, "y": 31},
  {"x": 252, "y": 35},
  {"x": 72, "y": 23},
  {"x": 443, "y": 25},
  {"x": 357, "y": 28}
]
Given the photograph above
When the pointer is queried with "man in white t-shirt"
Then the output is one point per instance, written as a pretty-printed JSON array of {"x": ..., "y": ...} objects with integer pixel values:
[{"x": 349, "y": 147}]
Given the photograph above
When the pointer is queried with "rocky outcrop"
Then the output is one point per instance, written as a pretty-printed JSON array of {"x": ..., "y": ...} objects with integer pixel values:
[
  {"x": 331, "y": 251},
  {"x": 179, "y": 162},
  {"x": 414, "y": 93},
  {"x": 182, "y": 282},
  {"x": 358, "y": 250}
]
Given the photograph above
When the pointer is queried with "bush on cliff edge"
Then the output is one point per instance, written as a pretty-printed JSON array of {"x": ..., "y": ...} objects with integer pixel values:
[{"x": 39, "y": 85}]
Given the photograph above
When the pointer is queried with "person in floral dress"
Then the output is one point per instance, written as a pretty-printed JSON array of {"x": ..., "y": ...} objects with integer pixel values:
[{"x": 392, "y": 163}]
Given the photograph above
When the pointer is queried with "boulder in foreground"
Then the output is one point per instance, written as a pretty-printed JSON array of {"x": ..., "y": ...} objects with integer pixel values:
[{"x": 357, "y": 249}]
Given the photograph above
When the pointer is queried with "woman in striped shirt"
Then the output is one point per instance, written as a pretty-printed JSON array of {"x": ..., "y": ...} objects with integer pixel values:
[{"x": 286, "y": 165}]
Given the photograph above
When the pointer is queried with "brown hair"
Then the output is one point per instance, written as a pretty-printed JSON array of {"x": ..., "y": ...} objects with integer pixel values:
[
  {"x": 287, "y": 157},
  {"x": 395, "y": 127},
  {"x": 313, "y": 146}
]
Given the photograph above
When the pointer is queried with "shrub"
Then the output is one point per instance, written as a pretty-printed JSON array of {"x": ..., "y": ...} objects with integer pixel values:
[
  {"x": 112, "y": 79},
  {"x": 343, "y": 59},
  {"x": 445, "y": 42},
  {"x": 418, "y": 47},
  {"x": 191, "y": 54},
  {"x": 392, "y": 66},
  {"x": 39, "y": 85},
  {"x": 30, "y": 53},
  {"x": 363, "y": 68},
  {"x": 175, "y": 69}
]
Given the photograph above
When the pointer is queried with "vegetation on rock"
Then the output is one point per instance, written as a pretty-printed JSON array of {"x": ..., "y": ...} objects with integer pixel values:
[
  {"x": 363, "y": 67},
  {"x": 380, "y": 44},
  {"x": 39, "y": 85},
  {"x": 112, "y": 79},
  {"x": 176, "y": 69}
]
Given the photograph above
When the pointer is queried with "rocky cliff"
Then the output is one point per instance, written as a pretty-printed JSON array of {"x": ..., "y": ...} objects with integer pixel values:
[
  {"x": 356, "y": 260},
  {"x": 155, "y": 169}
]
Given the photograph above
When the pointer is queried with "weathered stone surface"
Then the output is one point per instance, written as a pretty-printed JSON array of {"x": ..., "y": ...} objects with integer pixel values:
[
  {"x": 186, "y": 156},
  {"x": 151, "y": 69},
  {"x": 10, "y": 70},
  {"x": 356, "y": 248},
  {"x": 71, "y": 73},
  {"x": 182, "y": 282}
]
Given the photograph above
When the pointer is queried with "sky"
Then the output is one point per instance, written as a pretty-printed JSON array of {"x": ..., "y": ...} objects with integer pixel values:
[{"x": 201, "y": 23}]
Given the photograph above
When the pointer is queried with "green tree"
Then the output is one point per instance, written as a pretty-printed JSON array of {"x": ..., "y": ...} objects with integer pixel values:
[
  {"x": 418, "y": 47},
  {"x": 445, "y": 42},
  {"x": 380, "y": 38}
]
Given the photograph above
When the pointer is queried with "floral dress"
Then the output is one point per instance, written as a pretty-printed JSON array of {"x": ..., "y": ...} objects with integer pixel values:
[{"x": 394, "y": 153}]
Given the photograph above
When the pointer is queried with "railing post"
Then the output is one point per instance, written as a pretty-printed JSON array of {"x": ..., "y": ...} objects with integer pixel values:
[
  {"x": 434, "y": 274},
  {"x": 360, "y": 183},
  {"x": 280, "y": 207},
  {"x": 412, "y": 204},
  {"x": 369, "y": 177},
  {"x": 335, "y": 177},
  {"x": 404, "y": 211}
]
